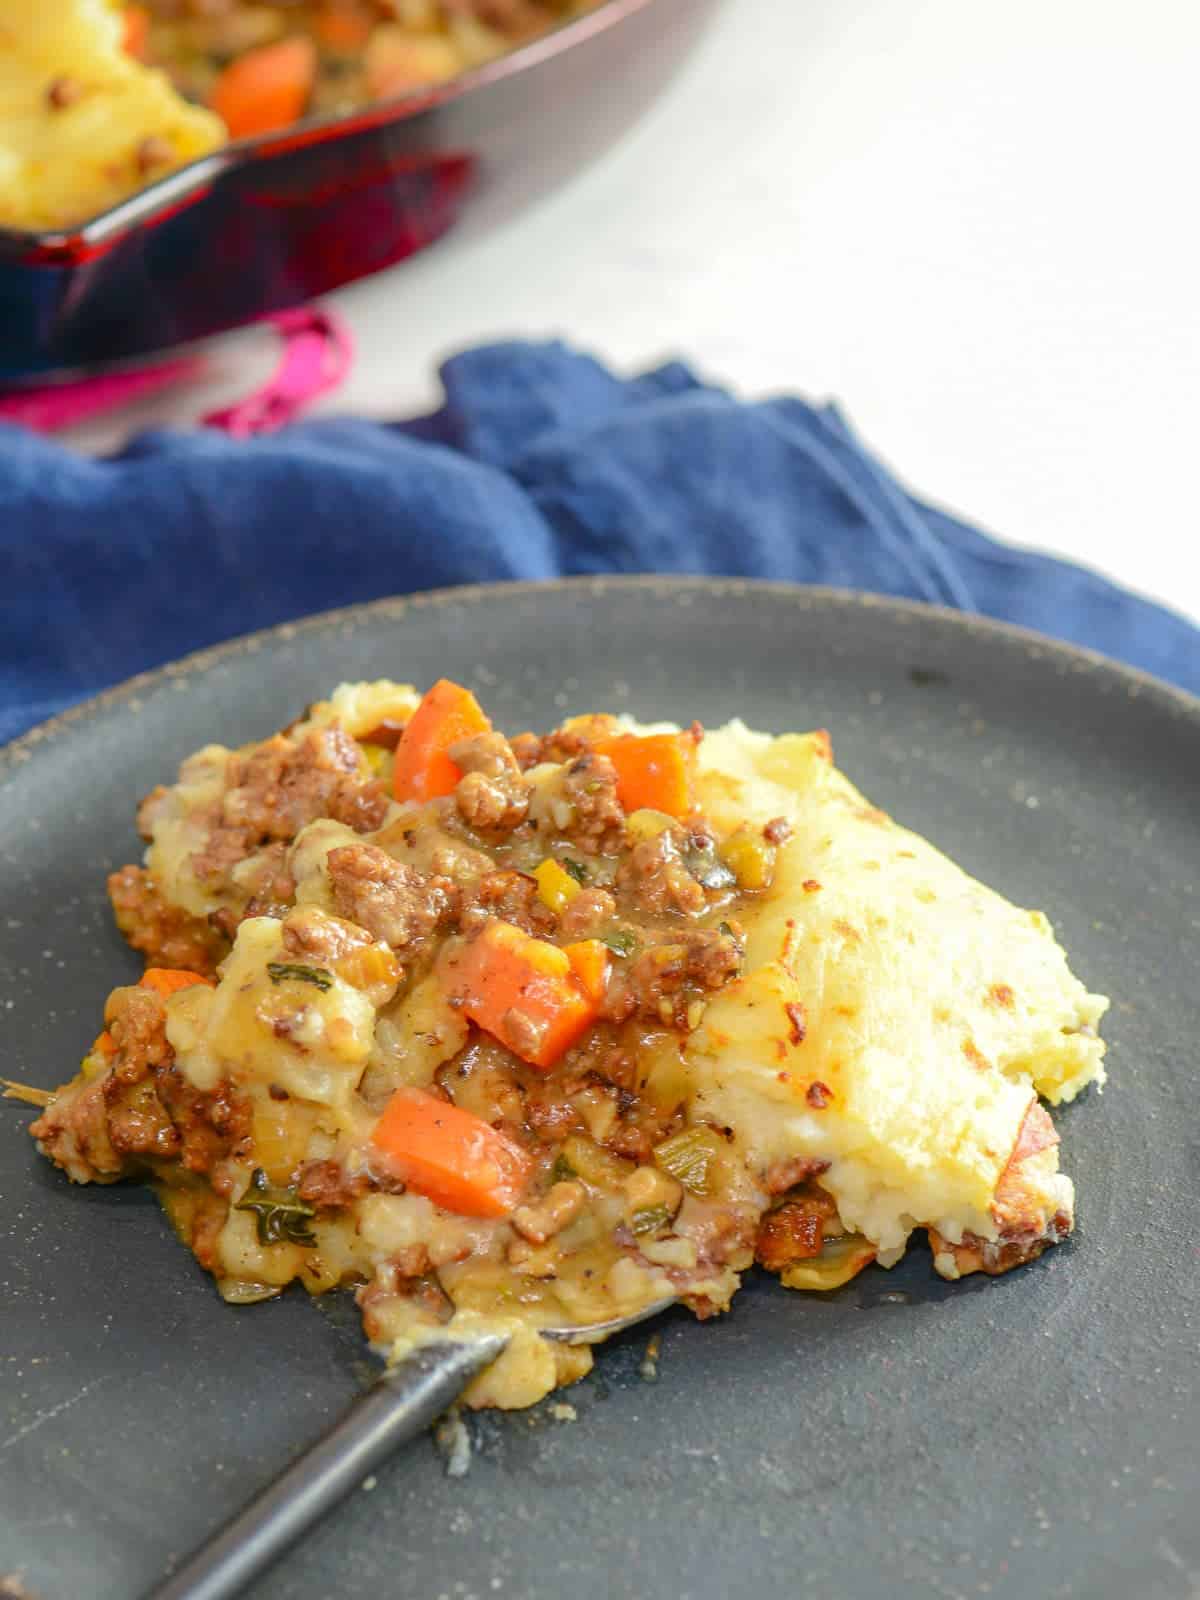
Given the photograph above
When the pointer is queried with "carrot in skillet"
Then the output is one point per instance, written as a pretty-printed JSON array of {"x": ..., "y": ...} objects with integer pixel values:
[
  {"x": 451, "y": 1156},
  {"x": 135, "y": 29},
  {"x": 652, "y": 771},
  {"x": 422, "y": 770},
  {"x": 265, "y": 88},
  {"x": 167, "y": 981},
  {"x": 521, "y": 990}
]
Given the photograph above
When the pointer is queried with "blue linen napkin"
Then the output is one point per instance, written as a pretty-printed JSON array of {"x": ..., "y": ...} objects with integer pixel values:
[{"x": 541, "y": 463}]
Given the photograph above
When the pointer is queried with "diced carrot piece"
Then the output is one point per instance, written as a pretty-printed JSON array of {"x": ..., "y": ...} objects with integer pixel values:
[
  {"x": 103, "y": 1044},
  {"x": 589, "y": 963},
  {"x": 265, "y": 88},
  {"x": 451, "y": 1156},
  {"x": 652, "y": 771},
  {"x": 521, "y": 990},
  {"x": 167, "y": 980},
  {"x": 422, "y": 770},
  {"x": 135, "y": 30}
]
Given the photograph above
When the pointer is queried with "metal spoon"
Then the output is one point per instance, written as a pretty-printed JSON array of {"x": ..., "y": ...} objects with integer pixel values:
[{"x": 399, "y": 1404}]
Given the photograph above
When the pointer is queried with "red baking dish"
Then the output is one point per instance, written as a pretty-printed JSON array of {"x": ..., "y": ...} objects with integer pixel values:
[{"x": 271, "y": 222}]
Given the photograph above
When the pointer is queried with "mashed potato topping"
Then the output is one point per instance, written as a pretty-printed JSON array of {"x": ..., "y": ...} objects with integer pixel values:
[
  {"x": 934, "y": 1009},
  {"x": 539, "y": 1032}
]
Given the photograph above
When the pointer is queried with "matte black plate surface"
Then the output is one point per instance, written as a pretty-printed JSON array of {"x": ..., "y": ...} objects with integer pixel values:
[{"x": 1027, "y": 1437}]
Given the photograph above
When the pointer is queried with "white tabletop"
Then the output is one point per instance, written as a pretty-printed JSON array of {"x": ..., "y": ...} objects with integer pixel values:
[{"x": 974, "y": 226}]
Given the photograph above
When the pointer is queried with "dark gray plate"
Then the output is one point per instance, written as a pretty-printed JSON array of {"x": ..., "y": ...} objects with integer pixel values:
[{"x": 1027, "y": 1437}]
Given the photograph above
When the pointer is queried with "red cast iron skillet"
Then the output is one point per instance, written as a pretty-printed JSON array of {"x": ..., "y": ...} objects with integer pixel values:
[{"x": 271, "y": 222}]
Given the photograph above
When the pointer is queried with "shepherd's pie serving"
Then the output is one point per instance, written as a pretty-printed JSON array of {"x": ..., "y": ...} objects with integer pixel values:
[{"x": 539, "y": 1031}]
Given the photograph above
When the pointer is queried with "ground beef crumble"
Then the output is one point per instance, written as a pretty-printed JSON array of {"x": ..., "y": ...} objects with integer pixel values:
[
  {"x": 589, "y": 911},
  {"x": 142, "y": 1108},
  {"x": 274, "y": 888},
  {"x": 492, "y": 795},
  {"x": 510, "y": 895},
  {"x": 589, "y": 787},
  {"x": 653, "y": 879},
  {"x": 784, "y": 1175},
  {"x": 312, "y": 937},
  {"x": 328, "y": 1186},
  {"x": 664, "y": 980},
  {"x": 164, "y": 934},
  {"x": 393, "y": 902},
  {"x": 278, "y": 788},
  {"x": 563, "y": 744}
]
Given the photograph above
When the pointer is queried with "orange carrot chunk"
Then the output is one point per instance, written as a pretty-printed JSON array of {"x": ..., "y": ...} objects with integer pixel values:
[
  {"x": 652, "y": 771},
  {"x": 167, "y": 980},
  {"x": 589, "y": 963},
  {"x": 521, "y": 990},
  {"x": 103, "y": 1044},
  {"x": 422, "y": 770},
  {"x": 135, "y": 30},
  {"x": 265, "y": 88},
  {"x": 452, "y": 1157}
]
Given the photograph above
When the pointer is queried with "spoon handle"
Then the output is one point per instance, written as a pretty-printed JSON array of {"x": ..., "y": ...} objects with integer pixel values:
[{"x": 397, "y": 1406}]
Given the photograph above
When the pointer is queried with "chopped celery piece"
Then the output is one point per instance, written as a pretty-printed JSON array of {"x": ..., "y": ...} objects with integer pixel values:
[
  {"x": 690, "y": 1158},
  {"x": 650, "y": 1220}
]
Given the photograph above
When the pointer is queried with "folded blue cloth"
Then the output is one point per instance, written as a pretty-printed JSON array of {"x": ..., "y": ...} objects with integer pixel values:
[{"x": 541, "y": 463}]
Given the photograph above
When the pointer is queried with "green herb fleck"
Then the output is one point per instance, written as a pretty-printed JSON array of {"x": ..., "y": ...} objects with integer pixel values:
[
  {"x": 281, "y": 1215},
  {"x": 650, "y": 1220},
  {"x": 576, "y": 868},
  {"x": 621, "y": 943},
  {"x": 562, "y": 1171},
  {"x": 278, "y": 971}
]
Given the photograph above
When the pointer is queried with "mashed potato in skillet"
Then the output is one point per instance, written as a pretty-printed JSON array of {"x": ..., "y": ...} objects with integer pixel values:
[
  {"x": 82, "y": 124},
  {"x": 540, "y": 1031}
]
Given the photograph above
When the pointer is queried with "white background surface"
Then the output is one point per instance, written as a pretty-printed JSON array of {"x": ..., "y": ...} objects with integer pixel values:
[{"x": 974, "y": 225}]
